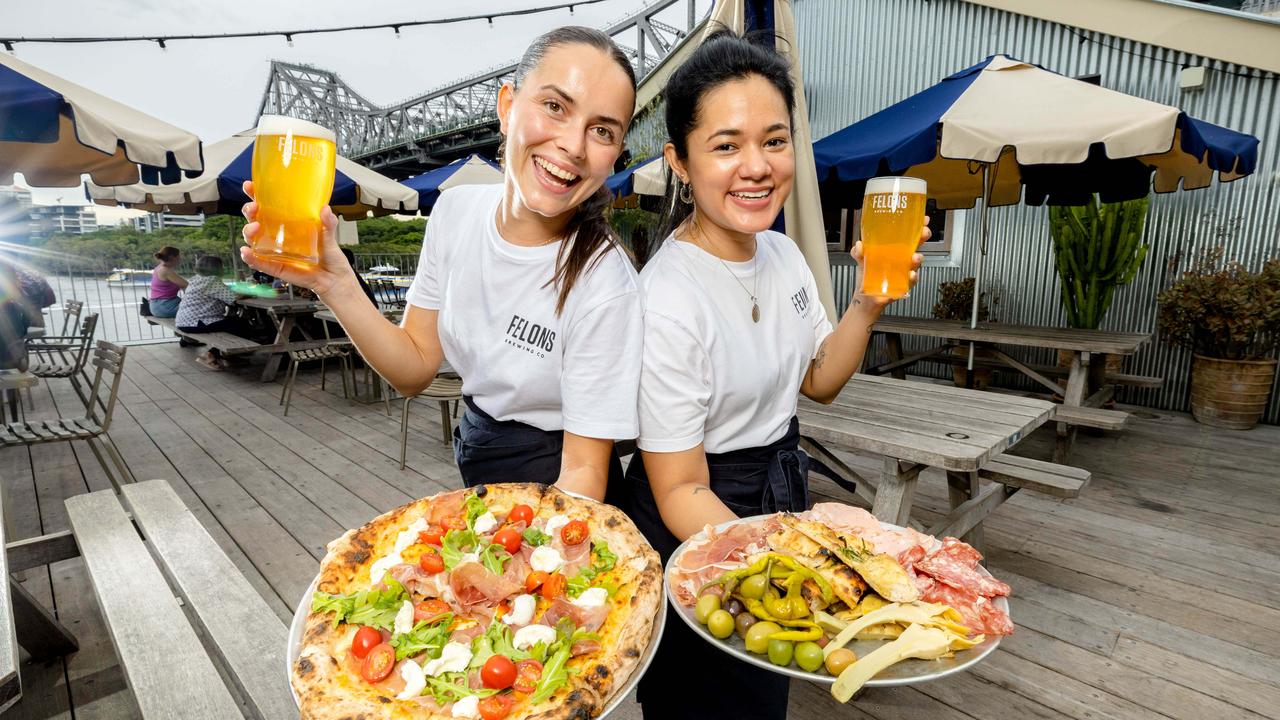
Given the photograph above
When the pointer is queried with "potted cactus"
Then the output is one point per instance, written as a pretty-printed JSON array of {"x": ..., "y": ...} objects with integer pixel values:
[
  {"x": 1097, "y": 248},
  {"x": 955, "y": 302},
  {"x": 1229, "y": 318}
]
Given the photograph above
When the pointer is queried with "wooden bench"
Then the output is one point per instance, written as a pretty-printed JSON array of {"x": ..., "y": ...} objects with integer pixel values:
[
  {"x": 171, "y": 673},
  {"x": 1029, "y": 474},
  {"x": 1091, "y": 417},
  {"x": 225, "y": 342}
]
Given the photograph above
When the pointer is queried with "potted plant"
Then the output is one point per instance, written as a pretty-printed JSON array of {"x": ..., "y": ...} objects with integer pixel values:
[
  {"x": 1097, "y": 248},
  {"x": 955, "y": 302},
  {"x": 1229, "y": 318}
]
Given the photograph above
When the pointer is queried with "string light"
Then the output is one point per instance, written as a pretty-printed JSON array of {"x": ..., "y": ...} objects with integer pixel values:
[{"x": 288, "y": 34}]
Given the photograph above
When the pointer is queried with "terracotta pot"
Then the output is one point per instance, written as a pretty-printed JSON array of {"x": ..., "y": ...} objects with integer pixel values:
[{"x": 1230, "y": 393}]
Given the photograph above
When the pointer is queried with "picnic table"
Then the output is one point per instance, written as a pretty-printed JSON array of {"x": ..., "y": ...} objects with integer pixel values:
[
  {"x": 915, "y": 425},
  {"x": 1089, "y": 385},
  {"x": 145, "y": 549},
  {"x": 11, "y": 383},
  {"x": 283, "y": 311}
]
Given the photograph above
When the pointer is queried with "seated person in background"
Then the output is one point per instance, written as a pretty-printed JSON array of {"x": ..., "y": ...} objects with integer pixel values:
[
  {"x": 204, "y": 308},
  {"x": 166, "y": 282},
  {"x": 364, "y": 284}
]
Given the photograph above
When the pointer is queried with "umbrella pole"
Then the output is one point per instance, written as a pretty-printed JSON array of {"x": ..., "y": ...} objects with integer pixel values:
[
  {"x": 235, "y": 249},
  {"x": 977, "y": 276}
]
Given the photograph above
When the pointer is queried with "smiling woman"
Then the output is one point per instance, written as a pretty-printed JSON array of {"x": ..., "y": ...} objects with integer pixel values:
[{"x": 522, "y": 285}]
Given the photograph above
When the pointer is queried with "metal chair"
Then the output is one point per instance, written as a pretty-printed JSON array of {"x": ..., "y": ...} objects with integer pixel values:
[
  {"x": 387, "y": 294},
  {"x": 108, "y": 363},
  {"x": 64, "y": 356},
  {"x": 322, "y": 350},
  {"x": 445, "y": 389}
]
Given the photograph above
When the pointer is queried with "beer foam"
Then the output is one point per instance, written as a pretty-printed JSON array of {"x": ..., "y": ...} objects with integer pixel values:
[
  {"x": 904, "y": 185},
  {"x": 282, "y": 125}
]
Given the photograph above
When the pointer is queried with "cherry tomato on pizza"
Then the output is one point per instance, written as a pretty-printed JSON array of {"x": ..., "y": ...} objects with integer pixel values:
[
  {"x": 498, "y": 673},
  {"x": 553, "y": 587},
  {"x": 364, "y": 641},
  {"x": 509, "y": 539},
  {"x": 433, "y": 535},
  {"x": 574, "y": 532},
  {"x": 430, "y": 610},
  {"x": 534, "y": 581},
  {"x": 521, "y": 513},
  {"x": 495, "y": 707},
  {"x": 378, "y": 663},
  {"x": 431, "y": 562},
  {"x": 528, "y": 673}
]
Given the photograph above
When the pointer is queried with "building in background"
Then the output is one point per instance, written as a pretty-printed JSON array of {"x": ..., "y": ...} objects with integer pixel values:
[
  {"x": 22, "y": 220},
  {"x": 154, "y": 221}
]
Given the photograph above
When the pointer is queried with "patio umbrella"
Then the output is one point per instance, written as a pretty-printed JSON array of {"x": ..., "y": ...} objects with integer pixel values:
[
  {"x": 357, "y": 190},
  {"x": 474, "y": 170},
  {"x": 632, "y": 182},
  {"x": 53, "y": 131},
  {"x": 1006, "y": 131}
]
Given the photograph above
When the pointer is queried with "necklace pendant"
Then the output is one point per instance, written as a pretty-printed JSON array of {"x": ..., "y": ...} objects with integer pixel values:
[{"x": 755, "y": 312}]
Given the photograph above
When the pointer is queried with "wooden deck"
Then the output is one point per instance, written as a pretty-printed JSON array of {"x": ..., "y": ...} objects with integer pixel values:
[{"x": 1155, "y": 594}]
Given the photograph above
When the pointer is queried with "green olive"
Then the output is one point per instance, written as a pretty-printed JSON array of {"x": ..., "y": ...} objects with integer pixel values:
[
  {"x": 744, "y": 622},
  {"x": 780, "y": 652},
  {"x": 720, "y": 623},
  {"x": 757, "y": 637},
  {"x": 753, "y": 587},
  {"x": 707, "y": 604},
  {"x": 840, "y": 659},
  {"x": 809, "y": 656}
]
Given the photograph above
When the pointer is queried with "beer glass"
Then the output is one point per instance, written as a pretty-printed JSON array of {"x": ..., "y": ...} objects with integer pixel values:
[
  {"x": 892, "y": 217},
  {"x": 292, "y": 181}
]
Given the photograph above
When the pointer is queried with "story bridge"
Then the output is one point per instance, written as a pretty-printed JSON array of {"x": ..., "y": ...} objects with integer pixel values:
[{"x": 452, "y": 121}]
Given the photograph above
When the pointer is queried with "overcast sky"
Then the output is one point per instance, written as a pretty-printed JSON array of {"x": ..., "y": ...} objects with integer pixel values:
[{"x": 213, "y": 87}]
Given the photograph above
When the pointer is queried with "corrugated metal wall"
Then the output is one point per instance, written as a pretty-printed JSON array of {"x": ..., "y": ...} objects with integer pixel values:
[{"x": 862, "y": 55}]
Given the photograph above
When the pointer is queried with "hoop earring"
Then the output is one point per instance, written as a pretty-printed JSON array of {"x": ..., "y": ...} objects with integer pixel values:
[{"x": 686, "y": 193}]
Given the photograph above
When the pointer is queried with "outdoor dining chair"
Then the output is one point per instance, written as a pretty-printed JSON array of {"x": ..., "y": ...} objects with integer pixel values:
[
  {"x": 323, "y": 351},
  {"x": 387, "y": 294},
  {"x": 445, "y": 389},
  {"x": 64, "y": 356},
  {"x": 70, "y": 315},
  {"x": 108, "y": 363}
]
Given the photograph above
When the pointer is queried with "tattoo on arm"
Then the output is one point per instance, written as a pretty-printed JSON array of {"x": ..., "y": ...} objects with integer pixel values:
[{"x": 822, "y": 356}]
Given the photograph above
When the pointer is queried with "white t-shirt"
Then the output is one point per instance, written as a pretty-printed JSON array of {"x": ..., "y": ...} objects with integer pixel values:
[
  {"x": 710, "y": 374},
  {"x": 498, "y": 326}
]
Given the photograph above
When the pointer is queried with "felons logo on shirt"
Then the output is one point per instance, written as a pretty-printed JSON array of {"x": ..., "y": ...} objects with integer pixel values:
[
  {"x": 801, "y": 301},
  {"x": 530, "y": 337}
]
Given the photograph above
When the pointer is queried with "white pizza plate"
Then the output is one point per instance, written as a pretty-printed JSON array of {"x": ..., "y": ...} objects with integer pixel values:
[
  {"x": 304, "y": 609},
  {"x": 907, "y": 672}
]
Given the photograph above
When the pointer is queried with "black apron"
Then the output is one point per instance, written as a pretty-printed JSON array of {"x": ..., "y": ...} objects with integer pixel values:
[
  {"x": 689, "y": 678},
  {"x": 497, "y": 451}
]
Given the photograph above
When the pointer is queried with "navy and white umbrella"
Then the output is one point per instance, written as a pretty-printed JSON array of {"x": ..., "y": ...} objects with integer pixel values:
[
  {"x": 53, "y": 131},
  {"x": 473, "y": 170},
  {"x": 1005, "y": 131}
]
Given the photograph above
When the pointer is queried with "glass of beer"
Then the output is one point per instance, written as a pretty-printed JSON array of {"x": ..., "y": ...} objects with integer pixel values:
[
  {"x": 892, "y": 217},
  {"x": 293, "y": 168}
]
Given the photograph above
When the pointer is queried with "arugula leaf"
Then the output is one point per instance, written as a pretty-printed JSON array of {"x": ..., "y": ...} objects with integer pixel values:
[
  {"x": 424, "y": 637},
  {"x": 499, "y": 636},
  {"x": 375, "y": 608},
  {"x": 536, "y": 537},
  {"x": 554, "y": 676},
  {"x": 494, "y": 558},
  {"x": 538, "y": 651},
  {"x": 455, "y": 544},
  {"x": 452, "y": 687},
  {"x": 605, "y": 561},
  {"x": 481, "y": 651},
  {"x": 474, "y": 507}
]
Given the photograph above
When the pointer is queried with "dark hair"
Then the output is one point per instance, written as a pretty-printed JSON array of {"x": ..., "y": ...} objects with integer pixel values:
[
  {"x": 589, "y": 227},
  {"x": 721, "y": 58},
  {"x": 167, "y": 253},
  {"x": 350, "y": 256},
  {"x": 209, "y": 265}
]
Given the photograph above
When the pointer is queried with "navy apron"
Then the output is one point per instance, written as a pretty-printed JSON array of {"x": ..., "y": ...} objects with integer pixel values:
[
  {"x": 689, "y": 678},
  {"x": 497, "y": 451}
]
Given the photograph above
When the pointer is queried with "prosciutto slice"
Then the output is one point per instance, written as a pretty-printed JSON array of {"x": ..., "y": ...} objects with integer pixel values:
[
  {"x": 472, "y": 585},
  {"x": 575, "y": 557},
  {"x": 905, "y": 545},
  {"x": 416, "y": 581},
  {"x": 589, "y": 619},
  {"x": 720, "y": 552},
  {"x": 445, "y": 506}
]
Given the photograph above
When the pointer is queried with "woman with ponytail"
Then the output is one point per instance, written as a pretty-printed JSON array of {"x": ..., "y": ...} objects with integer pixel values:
[{"x": 522, "y": 286}]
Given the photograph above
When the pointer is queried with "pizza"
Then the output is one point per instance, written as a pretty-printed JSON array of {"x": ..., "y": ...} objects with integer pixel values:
[{"x": 502, "y": 601}]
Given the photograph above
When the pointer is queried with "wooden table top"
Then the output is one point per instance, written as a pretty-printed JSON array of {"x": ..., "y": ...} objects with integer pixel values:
[
  {"x": 937, "y": 425},
  {"x": 14, "y": 379},
  {"x": 1056, "y": 338},
  {"x": 282, "y": 304}
]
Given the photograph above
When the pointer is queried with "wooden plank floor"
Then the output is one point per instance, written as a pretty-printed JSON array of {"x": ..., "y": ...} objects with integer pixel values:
[{"x": 1156, "y": 594}]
